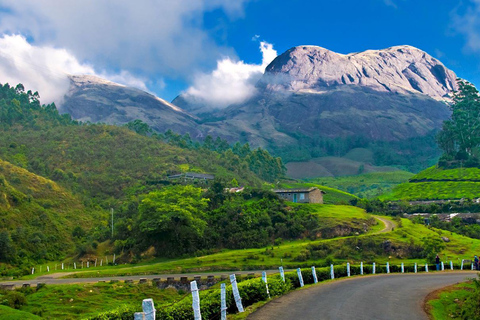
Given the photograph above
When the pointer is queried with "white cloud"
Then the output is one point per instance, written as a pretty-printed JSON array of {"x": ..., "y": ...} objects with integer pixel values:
[
  {"x": 467, "y": 23},
  {"x": 231, "y": 82},
  {"x": 390, "y": 3},
  {"x": 45, "y": 69},
  {"x": 146, "y": 37}
]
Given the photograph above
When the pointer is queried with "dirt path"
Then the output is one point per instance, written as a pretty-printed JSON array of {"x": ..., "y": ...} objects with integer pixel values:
[{"x": 389, "y": 225}]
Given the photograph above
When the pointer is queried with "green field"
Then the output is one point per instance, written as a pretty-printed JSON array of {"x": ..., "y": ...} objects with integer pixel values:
[
  {"x": 405, "y": 239},
  {"x": 85, "y": 300},
  {"x": 438, "y": 184},
  {"x": 368, "y": 185},
  {"x": 437, "y": 174}
]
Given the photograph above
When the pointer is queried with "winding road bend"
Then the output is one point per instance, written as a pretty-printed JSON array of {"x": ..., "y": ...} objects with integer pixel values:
[{"x": 393, "y": 297}]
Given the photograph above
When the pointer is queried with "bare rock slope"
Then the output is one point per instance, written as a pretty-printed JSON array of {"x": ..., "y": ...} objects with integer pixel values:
[{"x": 97, "y": 100}]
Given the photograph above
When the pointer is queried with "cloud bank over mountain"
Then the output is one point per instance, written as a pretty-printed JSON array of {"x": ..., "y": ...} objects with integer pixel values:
[
  {"x": 46, "y": 69},
  {"x": 231, "y": 82}
]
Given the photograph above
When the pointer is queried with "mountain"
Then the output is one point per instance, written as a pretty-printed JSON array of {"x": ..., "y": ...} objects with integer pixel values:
[
  {"x": 312, "y": 102},
  {"x": 94, "y": 99}
]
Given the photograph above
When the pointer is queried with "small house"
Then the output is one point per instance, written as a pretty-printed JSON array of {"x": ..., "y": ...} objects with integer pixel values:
[
  {"x": 307, "y": 195},
  {"x": 192, "y": 176}
]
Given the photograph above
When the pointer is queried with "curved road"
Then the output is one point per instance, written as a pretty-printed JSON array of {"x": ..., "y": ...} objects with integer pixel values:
[{"x": 393, "y": 297}]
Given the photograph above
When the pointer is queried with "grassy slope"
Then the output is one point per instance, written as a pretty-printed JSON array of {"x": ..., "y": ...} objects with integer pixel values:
[
  {"x": 435, "y": 184},
  {"x": 448, "y": 303},
  {"x": 84, "y": 300},
  {"x": 7, "y": 313},
  {"x": 368, "y": 185},
  {"x": 40, "y": 214},
  {"x": 106, "y": 162},
  {"x": 332, "y": 196},
  {"x": 340, "y": 249}
]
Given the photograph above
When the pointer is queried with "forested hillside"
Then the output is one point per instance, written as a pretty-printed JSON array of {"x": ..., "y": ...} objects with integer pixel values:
[{"x": 58, "y": 177}]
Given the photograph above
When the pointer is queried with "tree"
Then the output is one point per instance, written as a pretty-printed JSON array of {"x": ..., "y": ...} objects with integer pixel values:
[
  {"x": 460, "y": 135},
  {"x": 171, "y": 219}
]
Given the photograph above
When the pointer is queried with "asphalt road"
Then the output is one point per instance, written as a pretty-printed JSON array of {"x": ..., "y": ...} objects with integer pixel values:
[
  {"x": 393, "y": 297},
  {"x": 53, "y": 279}
]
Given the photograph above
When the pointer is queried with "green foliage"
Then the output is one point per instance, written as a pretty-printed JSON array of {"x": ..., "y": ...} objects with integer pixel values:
[
  {"x": 171, "y": 219},
  {"x": 460, "y": 135},
  {"x": 438, "y": 174}
]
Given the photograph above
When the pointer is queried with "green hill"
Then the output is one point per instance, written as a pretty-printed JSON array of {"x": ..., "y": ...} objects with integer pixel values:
[
  {"x": 439, "y": 184},
  {"x": 38, "y": 217}
]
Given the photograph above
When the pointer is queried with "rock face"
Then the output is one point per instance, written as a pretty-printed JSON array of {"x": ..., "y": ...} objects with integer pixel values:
[
  {"x": 97, "y": 100},
  {"x": 400, "y": 69},
  {"x": 385, "y": 95}
]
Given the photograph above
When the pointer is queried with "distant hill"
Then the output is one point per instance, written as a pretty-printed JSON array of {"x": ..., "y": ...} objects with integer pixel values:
[{"x": 439, "y": 184}]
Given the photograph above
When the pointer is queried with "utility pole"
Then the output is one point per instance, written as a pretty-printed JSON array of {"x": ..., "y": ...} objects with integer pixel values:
[{"x": 112, "y": 222}]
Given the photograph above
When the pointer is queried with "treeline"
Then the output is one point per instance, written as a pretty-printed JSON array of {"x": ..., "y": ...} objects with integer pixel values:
[
  {"x": 179, "y": 220},
  {"x": 412, "y": 154},
  {"x": 239, "y": 155}
]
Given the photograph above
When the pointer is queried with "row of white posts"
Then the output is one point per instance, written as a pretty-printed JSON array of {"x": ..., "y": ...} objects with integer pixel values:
[
  {"x": 149, "y": 310},
  {"x": 63, "y": 267}
]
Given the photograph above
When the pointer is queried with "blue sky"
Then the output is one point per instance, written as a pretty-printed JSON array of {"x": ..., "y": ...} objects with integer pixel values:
[{"x": 171, "y": 46}]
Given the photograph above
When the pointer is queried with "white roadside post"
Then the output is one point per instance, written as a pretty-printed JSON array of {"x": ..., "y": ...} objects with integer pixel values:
[
  {"x": 415, "y": 267},
  {"x": 75, "y": 265},
  {"x": 451, "y": 265},
  {"x": 62, "y": 265},
  {"x": 361, "y": 268},
  {"x": 314, "y": 274},
  {"x": 264, "y": 279},
  {"x": 403, "y": 268},
  {"x": 426, "y": 267},
  {"x": 300, "y": 277},
  {"x": 101, "y": 262},
  {"x": 472, "y": 265},
  {"x": 332, "y": 272},
  {"x": 33, "y": 270},
  {"x": 282, "y": 274},
  {"x": 148, "y": 311},
  {"x": 196, "y": 301},
  {"x": 223, "y": 301},
  {"x": 48, "y": 269},
  {"x": 388, "y": 267},
  {"x": 348, "y": 269},
  {"x": 461, "y": 266},
  {"x": 373, "y": 268},
  {"x": 88, "y": 264},
  {"x": 443, "y": 266},
  {"x": 236, "y": 294}
]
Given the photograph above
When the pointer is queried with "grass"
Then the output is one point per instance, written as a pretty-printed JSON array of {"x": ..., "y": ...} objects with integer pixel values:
[
  {"x": 332, "y": 196},
  {"x": 7, "y": 313},
  {"x": 438, "y": 174},
  {"x": 447, "y": 304},
  {"x": 435, "y": 190},
  {"x": 368, "y": 185},
  {"x": 438, "y": 184},
  {"x": 85, "y": 300}
]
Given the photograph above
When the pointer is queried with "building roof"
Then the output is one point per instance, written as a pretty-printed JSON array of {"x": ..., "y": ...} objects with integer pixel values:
[
  {"x": 193, "y": 175},
  {"x": 297, "y": 190}
]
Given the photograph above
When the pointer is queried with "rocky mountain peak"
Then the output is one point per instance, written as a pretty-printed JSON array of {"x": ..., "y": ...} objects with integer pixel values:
[{"x": 400, "y": 69}]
